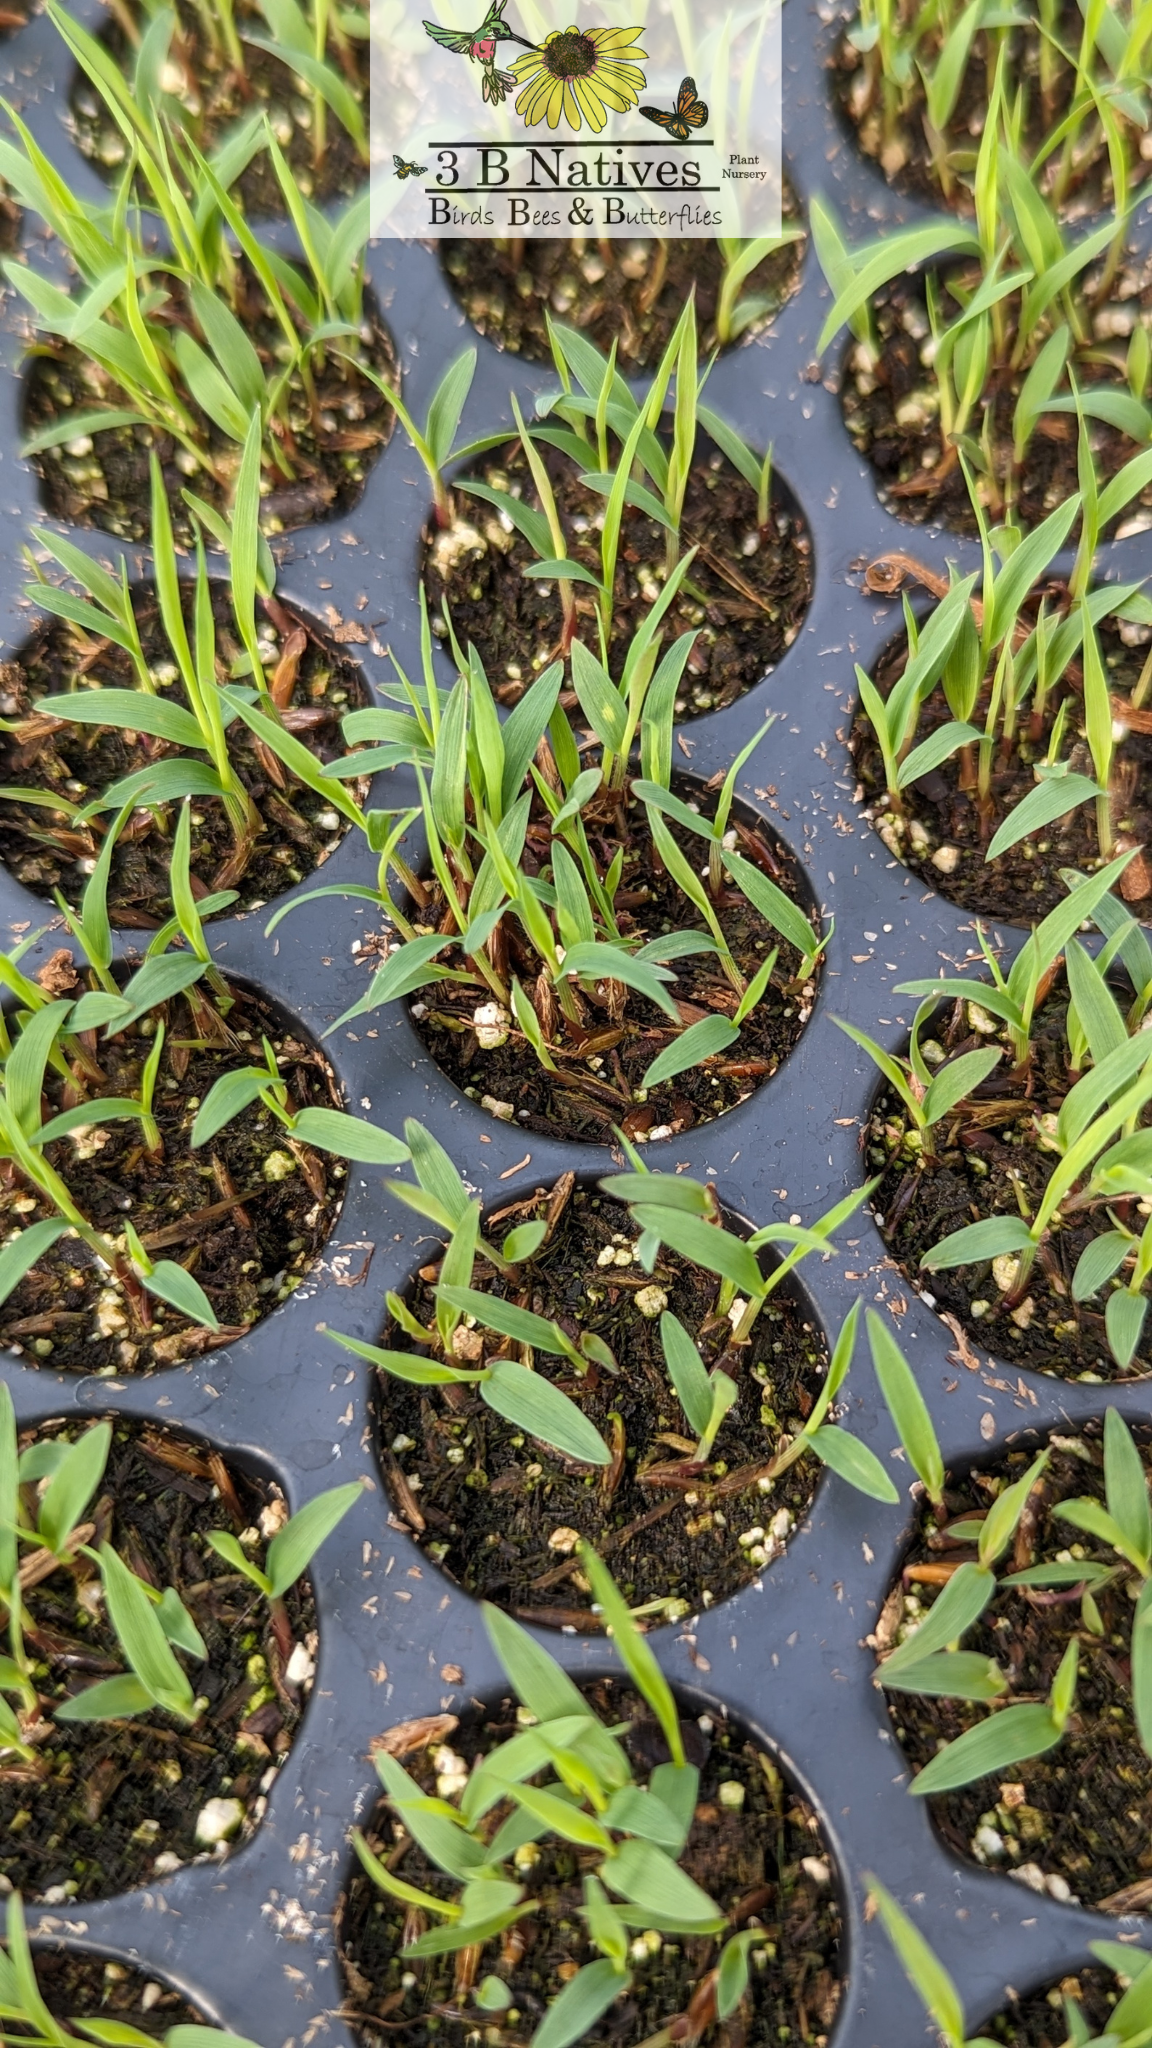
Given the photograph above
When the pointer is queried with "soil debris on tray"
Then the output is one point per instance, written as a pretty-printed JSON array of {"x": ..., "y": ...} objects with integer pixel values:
[
  {"x": 1076, "y": 1822},
  {"x": 1078, "y": 180},
  {"x": 891, "y": 410},
  {"x": 108, "y": 1805},
  {"x": 762, "y": 1859},
  {"x": 944, "y": 834},
  {"x": 204, "y": 96},
  {"x": 248, "y": 1213},
  {"x": 101, "y": 479},
  {"x": 601, "y": 1064},
  {"x": 628, "y": 292},
  {"x": 48, "y": 851},
  {"x": 989, "y": 1150},
  {"x": 745, "y": 596},
  {"x": 501, "y": 1512}
]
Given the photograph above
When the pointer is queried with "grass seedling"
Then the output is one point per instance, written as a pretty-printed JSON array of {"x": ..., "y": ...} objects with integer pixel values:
[
  {"x": 490, "y": 792},
  {"x": 199, "y": 379},
  {"x": 150, "y": 1624},
  {"x": 925, "y": 1972},
  {"x": 619, "y": 452},
  {"x": 928, "y": 1662},
  {"x": 566, "y": 1778},
  {"x": 685, "y": 1215},
  {"x": 435, "y": 442},
  {"x": 48, "y": 1034},
  {"x": 1086, "y": 96},
  {"x": 734, "y": 314},
  {"x": 1103, "y": 1160},
  {"x": 1016, "y": 315}
]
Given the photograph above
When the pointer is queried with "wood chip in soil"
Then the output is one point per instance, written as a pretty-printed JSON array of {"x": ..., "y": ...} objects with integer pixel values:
[
  {"x": 631, "y": 293},
  {"x": 104, "y": 1799},
  {"x": 247, "y": 1214},
  {"x": 745, "y": 595},
  {"x": 906, "y": 158},
  {"x": 210, "y": 101},
  {"x": 298, "y": 830},
  {"x": 502, "y": 1518},
  {"x": 1082, "y": 1826},
  {"x": 891, "y": 412},
  {"x": 983, "y": 1152},
  {"x": 752, "y": 1861},
  {"x": 601, "y": 1065},
  {"x": 942, "y": 835},
  {"x": 102, "y": 479}
]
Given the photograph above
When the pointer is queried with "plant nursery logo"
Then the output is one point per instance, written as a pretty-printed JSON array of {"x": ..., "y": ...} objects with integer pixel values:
[{"x": 557, "y": 117}]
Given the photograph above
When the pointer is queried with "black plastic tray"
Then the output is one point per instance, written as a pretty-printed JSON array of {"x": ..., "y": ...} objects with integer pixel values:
[{"x": 251, "y": 1940}]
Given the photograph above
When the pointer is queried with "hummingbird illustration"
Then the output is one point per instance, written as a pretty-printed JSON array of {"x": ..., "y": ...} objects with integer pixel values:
[{"x": 479, "y": 46}]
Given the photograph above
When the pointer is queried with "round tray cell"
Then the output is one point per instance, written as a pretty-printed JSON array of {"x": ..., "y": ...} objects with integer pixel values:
[
  {"x": 290, "y": 831},
  {"x": 997, "y": 1144},
  {"x": 755, "y": 1846},
  {"x": 630, "y": 292},
  {"x": 602, "y": 1054},
  {"x": 746, "y": 594},
  {"x": 503, "y": 1513},
  {"x": 204, "y": 98},
  {"x": 1071, "y": 1824},
  {"x": 891, "y": 410},
  {"x": 98, "y": 1807},
  {"x": 944, "y": 824},
  {"x": 103, "y": 479},
  {"x": 248, "y": 1213}
]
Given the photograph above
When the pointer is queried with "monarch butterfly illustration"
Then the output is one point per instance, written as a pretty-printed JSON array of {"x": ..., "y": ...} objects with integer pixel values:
[
  {"x": 689, "y": 112},
  {"x": 404, "y": 170}
]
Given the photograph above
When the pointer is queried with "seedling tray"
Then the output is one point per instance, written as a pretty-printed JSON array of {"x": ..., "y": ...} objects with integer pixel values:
[{"x": 251, "y": 1940}]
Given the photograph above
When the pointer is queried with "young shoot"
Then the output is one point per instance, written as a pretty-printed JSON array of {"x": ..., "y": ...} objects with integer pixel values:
[
  {"x": 566, "y": 1778},
  {"x": 530, "y": 838}
]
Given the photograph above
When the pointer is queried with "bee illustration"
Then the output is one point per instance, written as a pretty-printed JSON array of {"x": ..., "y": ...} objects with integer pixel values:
[
  {"x": 404, "y": 170},
  {"x": 689, "y": 112}
]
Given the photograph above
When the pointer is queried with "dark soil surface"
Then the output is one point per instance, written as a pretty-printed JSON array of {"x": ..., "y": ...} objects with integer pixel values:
[
  {"x": 942, "y": 835},
  {"x": 297, "y": 830},
  {"x": 1078, "y": 1817},
  {"x": 11, "y": 216},
  {"x": 629, "y": 292},
  {"x": 102, "y": 479},
  {"x": 983, "y": 1151},
  {"x": 746, "y": 592},
  {"x": 247, "y": 1214},
  {"x": 1038, "y": 2022},
  {"x": 601, "y": 1064},
  {"x": 498, "y": 1511},
  {"x": 890, "y": 410},
  {"x": 77, "y": 1986},
  {"x": 905, "y": 153},
  {"x": 750, "y": 1860},
  {"x": 209, "y": 101},
  {"x": 102, "y": 1800}
]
